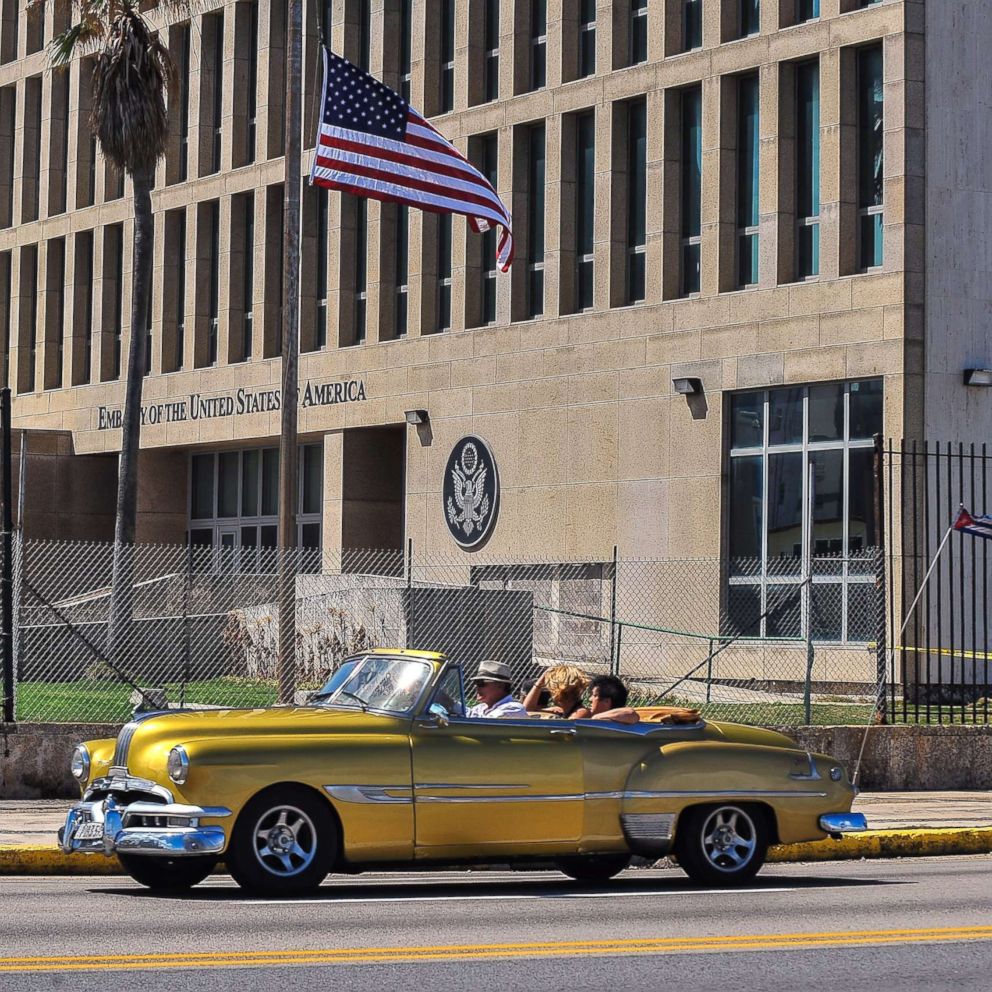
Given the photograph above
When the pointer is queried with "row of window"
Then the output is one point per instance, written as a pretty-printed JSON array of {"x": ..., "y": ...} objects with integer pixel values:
[{"x": 799, "y": 221}]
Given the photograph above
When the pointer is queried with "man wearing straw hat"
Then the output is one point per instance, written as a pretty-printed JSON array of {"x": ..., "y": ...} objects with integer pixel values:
[{"x": 493, "y": 685}]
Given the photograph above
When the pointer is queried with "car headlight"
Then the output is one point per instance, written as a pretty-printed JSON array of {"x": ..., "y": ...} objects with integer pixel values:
[
  {"x": 178, "y": 765},
  {"x": 80, "y": 763}
]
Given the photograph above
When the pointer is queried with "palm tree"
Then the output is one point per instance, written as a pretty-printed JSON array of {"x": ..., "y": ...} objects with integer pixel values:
[{"x": 131, "y": 77}]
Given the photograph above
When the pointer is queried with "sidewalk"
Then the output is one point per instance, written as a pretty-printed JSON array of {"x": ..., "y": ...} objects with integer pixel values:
[{"x": 900, "y": 824}]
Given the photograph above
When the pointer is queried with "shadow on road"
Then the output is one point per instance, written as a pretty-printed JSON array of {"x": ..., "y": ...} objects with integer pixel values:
[{"x": 476, "y": 886}]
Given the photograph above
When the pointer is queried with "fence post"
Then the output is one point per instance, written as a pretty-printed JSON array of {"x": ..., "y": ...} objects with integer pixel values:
[
  {"x": 615, "y": 666},
  {"x": 881, "y": 645},
  {"x": 7, "y": 578},
  {"x": 187, "y": 590},
  {"x": 613, "y": 609},
  {"x": 408, "y": 611},
  {"x": 808, "y": 583},
  {"x": 709, "y": 671}
]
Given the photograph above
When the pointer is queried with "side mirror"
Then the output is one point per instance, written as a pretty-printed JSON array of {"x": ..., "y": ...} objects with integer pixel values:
[{"x": 439, "y": 714}]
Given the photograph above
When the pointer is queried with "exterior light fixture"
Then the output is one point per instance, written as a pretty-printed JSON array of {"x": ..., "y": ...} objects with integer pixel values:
[
  {"x": 978, "y": 377},
  {"x": 415, "y": 417},
  {"x": 687, "y": 385}
]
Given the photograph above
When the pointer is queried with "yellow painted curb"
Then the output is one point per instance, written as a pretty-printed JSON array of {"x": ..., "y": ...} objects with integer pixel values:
[
  {"x": 24, "y": 859},
  {"x": 919, "y": 843}
]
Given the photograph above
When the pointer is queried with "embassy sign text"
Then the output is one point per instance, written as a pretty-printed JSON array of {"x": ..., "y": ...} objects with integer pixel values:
[{"x": 238, "y": 404}]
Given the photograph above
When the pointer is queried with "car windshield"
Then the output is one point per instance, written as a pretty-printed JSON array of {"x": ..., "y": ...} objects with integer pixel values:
[{"x": 376, "y": 682}]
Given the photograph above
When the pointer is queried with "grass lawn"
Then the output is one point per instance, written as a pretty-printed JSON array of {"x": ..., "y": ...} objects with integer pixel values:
[{"x": 103, "y": 701}]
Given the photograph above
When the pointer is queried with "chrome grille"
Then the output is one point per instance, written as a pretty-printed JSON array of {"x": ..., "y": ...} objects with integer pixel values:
[{"x": 648, "y": 827}]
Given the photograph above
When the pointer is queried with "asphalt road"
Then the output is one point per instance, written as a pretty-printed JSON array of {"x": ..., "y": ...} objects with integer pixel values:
[{"x": 887, "y": 925}]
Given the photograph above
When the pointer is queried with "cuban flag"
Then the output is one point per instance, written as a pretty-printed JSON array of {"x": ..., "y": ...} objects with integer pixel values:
[{"x": 980, "y": 526}]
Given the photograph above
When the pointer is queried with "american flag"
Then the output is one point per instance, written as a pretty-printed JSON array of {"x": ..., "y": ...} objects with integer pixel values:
[
  {"x": 372, "y": 143},
  {"x": 973, "y": 523}
]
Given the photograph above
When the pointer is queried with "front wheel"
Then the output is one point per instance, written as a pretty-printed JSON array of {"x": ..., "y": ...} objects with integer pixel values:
[
  {"x": 594, "y": 867},
  {"x": 167, "y": 874},
  {"x": 285, "y": 842},
  {"x": 722, "y": 845}
]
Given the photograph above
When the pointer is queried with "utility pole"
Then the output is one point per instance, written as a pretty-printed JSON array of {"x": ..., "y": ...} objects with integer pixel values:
[
  {"x": 288, "y": 481},
  {"x": 6, "y": 578}
]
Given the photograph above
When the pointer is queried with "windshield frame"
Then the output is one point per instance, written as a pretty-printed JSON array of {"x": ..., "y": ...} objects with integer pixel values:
[{"x": 346, "y": 703}]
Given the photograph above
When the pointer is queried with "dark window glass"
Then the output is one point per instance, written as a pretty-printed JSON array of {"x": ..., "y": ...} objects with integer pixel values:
[
  {"x": 444, "y": 272},
  {"x": 785, "y": 415},
  {"x": 826, "y": 412},
  {"x": 250, "y": 464},
  {"x": 636, "y": 198},
  {"x": 202, "y": 502},
  {"x": 747, "y": 180},
  {"x": 406, "y": 47},
  {"x": 750, "y": 15},
  {"x": 861, "y": 501},
  {"x": 785, "y": 511},
  {"x": 320, "y": 331},
  {"x": 828, "y": 502},
  {"x": 692, "y": 173},
  {"x": 806, "y": 10},
  {"x": 248, "y": 283},
  {"x": 539, "y": 43},
  {"x": 870, "y": 154},
  {"x": 491, "y": 45},
  {"x": 692, "y": 25},
  {"x": 447, "y": 55},
  {"x": 361, "y": 267},
  {"x": 213, "y": 219},
  {"x": 587, "y": 38},
  {"x": 747, "y": 412},
  {"x": 310, "y": 537},
  {"x": 270, "y": 482},
  {"x": 402, "y": 268},
  {"x": 808, "y": 168},
  {"x": 252, "y": 96},
  {"x": 313, "y": 476},
  {"x": 270, "y": 536},
  {"x": 638, "y": 31},
  {"x": 585, "y": 129},
  {"x": 535, "y": 222},
  {"x": 784, "y": 606},
  {"x": 745, "y": 511},
  {"x": 228, "y": 469},
  {"x": 744, "y": 610},
  {"x": 249, "y": 537},
  {"x": 866, "y": 408},
  {"x": 489, "y": 168},
  {"x": 201, "y": 537}
]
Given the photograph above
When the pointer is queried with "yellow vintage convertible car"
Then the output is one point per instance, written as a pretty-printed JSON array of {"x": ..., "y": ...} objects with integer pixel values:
[{"x": 382, "y": 768}]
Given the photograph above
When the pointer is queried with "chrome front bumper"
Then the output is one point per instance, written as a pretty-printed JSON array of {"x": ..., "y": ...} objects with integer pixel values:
[
  {"x": 167, "y": 830},
  {"x": 836, "y": 824}
]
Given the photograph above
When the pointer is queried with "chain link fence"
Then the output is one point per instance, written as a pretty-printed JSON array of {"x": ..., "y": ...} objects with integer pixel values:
[{"x": 734, "y": 639}]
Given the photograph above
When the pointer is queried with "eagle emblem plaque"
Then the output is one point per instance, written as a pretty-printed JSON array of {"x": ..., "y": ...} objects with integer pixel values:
[{"x": 471, "y": 492}]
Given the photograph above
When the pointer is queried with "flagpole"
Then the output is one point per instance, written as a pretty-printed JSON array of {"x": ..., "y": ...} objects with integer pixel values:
[{"x": 288, "y": 479}]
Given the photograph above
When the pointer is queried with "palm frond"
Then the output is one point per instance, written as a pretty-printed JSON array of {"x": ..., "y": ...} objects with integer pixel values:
[{"x": 130, "y": 81}]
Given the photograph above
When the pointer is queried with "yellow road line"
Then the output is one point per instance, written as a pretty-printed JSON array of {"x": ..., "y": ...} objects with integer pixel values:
[{"x": 460, "y": 952}]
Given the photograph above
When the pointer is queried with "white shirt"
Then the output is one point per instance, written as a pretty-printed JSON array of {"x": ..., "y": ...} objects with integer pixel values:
[{"x": 507, "y": 708}]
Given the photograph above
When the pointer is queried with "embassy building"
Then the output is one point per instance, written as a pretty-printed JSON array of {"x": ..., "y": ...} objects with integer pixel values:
[{"x": 750, "y": 235}]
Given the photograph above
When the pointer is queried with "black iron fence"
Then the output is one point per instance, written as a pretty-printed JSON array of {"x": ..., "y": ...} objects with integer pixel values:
[{"x": 941, "y": 665}]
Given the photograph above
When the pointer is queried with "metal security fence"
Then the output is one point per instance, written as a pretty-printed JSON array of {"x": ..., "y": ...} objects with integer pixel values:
[{"x": 726, "y": 637}]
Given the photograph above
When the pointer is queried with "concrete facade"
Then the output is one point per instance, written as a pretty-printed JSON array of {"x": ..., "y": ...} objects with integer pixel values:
[{"x": 594, "y": 447}]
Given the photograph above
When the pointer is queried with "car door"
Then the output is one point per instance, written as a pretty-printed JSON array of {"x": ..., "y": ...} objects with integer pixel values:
[{"x": 494, "y": 786}]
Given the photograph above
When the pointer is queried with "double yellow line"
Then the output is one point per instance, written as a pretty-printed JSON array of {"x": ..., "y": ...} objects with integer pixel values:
[{"x": 463, "y": 952}]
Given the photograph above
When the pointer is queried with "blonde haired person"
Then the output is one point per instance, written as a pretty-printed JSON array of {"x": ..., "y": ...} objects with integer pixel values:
[{"x": 565, "y": 683}]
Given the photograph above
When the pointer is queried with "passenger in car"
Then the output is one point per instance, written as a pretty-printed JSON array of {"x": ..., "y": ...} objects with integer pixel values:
[
  {"x": 493, "y": 685},
  {"x": 608, "y": 700},
  {"x": 565, "y": 683}
]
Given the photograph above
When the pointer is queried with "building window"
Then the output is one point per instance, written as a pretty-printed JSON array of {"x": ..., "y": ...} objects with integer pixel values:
[
  {"x": 538, "y": 44},
  {"x": 147, "y": 370},
  {"x": 447, "y": 56},
  {"x": 692, "y": 25},
  {"x": 320, "y": 326},
  {"x": 234, "y": 502},
  {"x": 776, "y": 438},
  {"x": 183, "y": 73},
  {"x": 8, "y": 122},
  {"x": 5, "y": 293},
  {"x": 491, "y": 46},
  {"x": 180, "y": 290},
  {"x": 8, "y": 31},
  {"x": 31, "y": 157},
  {"x": 807, "y": 170},
  {"x": 535, "y": 221},
  {"x": 113, "y": 275},
  {"x": 361, "y": 268},
  {"x": 692, "y": 189},
  {"x": 750, "y": 16},
  {"x": 870, "y": 158},
  {"x": 59, "y": 143},
  {"x": 28, "y": 320},
  {"x": 406, "y": 48},
  {"x": 248, "y": 276},
  {"x": 213, "y": 297},
  {"x": 365, "y": 35},
  {"x": 807, "y": 10},
  {"x": 637, "y": 162},
  {"x": 747, "y": 181},
  {"x": 251, "y": 107},
  {"x": 212, "y": 93},
  {"x": 82, "y": 310},
  {"x": 585, "y": 208},
  {"x": 444, "y": 272},
  {"x": 402, "y": 270},
  {"x": 489, "y": 169},
  {"x": 587, "y": 38},
  {"x": 638, "y": 32}
]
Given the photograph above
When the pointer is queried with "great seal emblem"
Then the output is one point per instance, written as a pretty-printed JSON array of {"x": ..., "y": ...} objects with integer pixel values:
[{"x": 470, "y": 492}]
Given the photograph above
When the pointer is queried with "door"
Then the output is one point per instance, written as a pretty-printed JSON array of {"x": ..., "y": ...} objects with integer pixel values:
[{"x": 495, "y": 786}]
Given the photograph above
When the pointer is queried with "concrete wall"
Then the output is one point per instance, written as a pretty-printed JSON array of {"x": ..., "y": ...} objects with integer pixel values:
[
  {"x": 35, "y": 759},
  {"x": 958, "y": 217}
]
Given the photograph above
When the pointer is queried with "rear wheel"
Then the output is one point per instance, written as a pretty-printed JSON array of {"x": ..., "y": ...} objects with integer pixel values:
[
  {"x": 167, "y": 874},
  {"x": 594, "y": 867},
  {"x": 285, "y": 842},
  {"x": 722, "y": 845}
]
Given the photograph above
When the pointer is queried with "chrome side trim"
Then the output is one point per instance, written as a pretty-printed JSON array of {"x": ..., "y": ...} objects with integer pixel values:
[
  {"x": 366, "y": 794},
  {"x": 458, "y": 785},
  {"x": 576, "y": 797},
  {"x": 725, "y": 793}
]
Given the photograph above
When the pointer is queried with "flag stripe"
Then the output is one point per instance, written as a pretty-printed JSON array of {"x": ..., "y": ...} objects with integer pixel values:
[{"x": 371, "y": 143}]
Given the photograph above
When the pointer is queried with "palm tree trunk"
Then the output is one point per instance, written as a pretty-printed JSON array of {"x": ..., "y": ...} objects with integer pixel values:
[{"x": 121, "y": 596}]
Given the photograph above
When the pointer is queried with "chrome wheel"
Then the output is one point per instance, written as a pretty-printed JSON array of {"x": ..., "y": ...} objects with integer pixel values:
[
  {"x": 729, "y": 839},
  {"x": 285, "y": 841}
]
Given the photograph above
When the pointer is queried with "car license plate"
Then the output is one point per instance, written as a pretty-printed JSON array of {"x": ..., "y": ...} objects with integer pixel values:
[{"x": 89, "y": 831}]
